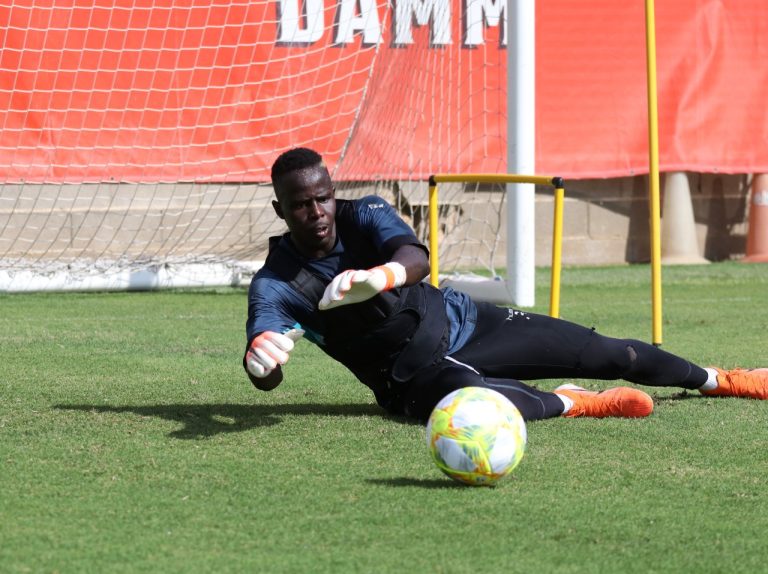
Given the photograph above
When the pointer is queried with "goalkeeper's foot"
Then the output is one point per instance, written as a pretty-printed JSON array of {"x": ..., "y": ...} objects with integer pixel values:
[
  {"x": 618, "y": 402},
  {"x": 749, "y": 383}
]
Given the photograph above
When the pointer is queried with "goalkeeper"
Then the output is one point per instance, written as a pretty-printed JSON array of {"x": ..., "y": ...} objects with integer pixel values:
[{"x": 348, "y": 276}]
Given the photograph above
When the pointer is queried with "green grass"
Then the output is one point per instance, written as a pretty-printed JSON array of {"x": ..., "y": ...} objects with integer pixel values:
[{"x": 131, "y": 441}]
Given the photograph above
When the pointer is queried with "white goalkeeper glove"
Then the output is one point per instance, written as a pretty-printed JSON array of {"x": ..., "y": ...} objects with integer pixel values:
[
  {"x": 269, "y": 350},
  {"x": 354, "y": 286}
]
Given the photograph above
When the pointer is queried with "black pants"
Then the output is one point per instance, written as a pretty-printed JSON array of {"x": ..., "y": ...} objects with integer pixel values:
[{"x": 509, "y": 345}]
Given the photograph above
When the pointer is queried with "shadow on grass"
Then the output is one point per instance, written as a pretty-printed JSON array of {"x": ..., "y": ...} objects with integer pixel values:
[
  {"x": 431, "y": 483},
  {"x": 682, "y": 396},
  {"x": 201, "y": 421}
]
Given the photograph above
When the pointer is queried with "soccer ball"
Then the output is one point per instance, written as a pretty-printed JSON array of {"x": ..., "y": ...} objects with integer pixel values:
[{"x": 476, "y": 436}]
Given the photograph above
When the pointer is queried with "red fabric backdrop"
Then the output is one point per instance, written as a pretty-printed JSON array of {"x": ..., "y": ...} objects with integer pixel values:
[
  {"x": 712, "y": 71},
  {"x": 100, "y": 90}
]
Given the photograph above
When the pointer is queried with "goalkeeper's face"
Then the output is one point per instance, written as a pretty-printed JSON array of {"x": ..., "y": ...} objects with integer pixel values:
[{"x": 306, "y": 201}]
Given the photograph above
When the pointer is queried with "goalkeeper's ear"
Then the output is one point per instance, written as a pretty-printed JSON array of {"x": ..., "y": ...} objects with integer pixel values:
[{"x": 278, "y": 209}]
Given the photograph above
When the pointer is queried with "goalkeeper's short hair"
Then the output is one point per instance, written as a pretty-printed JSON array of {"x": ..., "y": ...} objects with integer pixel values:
[{"x": 293, "y": 159}]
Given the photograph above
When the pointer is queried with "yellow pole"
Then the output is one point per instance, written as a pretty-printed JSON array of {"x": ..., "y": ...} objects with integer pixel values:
[
  {"x": 490, "y": 178},
  {"x": 653, "y": 172},
  {"x": 557, "y": 250},
  {"x": 433, "y": 260},
  {"x": 557, "y": 230}
]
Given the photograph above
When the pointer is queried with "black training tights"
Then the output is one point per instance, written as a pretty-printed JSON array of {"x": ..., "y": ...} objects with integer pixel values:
[{"x": 510, "y": 345}]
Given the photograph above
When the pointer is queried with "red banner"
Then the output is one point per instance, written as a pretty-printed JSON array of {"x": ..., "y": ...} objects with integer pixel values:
[
  {"x": 712, "y": 87},
  {"x": 212, "y": 90}
]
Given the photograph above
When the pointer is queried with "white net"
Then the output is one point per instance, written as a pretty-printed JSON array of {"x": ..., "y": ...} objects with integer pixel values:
[{"x": 136, "y": 138}]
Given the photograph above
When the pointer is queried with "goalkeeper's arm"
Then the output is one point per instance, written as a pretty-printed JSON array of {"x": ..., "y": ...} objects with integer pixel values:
[
  {"x": 268, "y": 382},
  {"x": 265, "y": 356},
  {"x": 408, "y": 266},
  {"x": 415, "y": 261}
]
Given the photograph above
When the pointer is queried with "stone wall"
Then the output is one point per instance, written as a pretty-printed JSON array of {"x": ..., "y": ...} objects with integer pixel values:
[{"x": 605, "y": 221}]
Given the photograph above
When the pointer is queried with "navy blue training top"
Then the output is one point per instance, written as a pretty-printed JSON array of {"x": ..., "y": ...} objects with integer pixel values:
[{"x": 273, "y": 305}]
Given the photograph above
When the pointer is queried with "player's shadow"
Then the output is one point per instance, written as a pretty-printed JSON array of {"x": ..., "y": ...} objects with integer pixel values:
[{"x": 202, "y": 421}]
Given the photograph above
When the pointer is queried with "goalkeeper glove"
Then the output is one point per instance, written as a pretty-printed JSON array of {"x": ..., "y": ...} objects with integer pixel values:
[
  {"x": 269, "y": 350},
  {"x": 354, "y": 286}
]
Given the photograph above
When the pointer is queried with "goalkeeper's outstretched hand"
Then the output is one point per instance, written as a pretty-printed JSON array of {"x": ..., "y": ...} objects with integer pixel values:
[
  {"x": 356, "y": 285},
  {"x": 269, "y": 350}
]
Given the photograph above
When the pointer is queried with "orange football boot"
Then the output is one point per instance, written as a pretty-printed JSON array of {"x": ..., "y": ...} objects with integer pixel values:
[
  {"x": 750, "y": 383},
  {"x": 617, "y": 402}
]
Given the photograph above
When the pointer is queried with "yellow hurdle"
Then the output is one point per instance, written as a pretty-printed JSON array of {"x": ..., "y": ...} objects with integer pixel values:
[{"x": 557, "y": 226}]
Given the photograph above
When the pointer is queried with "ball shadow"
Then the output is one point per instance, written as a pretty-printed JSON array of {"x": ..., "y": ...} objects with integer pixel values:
[{"x": 428, "y": 483}]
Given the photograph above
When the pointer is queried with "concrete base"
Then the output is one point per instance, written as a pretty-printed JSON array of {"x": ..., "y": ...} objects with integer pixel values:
[
  {"x": 605, "y": 221},
  {"x": 679, "y": 242},
  {"x": 480, "y": 288}
]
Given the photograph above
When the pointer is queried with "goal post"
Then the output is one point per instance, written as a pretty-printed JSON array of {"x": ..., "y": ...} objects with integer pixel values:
[
  {"x": 136, "y": 139},
  {"x": 493, "y": 288}
]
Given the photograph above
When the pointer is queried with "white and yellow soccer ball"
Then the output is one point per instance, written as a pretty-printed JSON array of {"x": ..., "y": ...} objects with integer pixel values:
[{"x": 476, "y": 436}]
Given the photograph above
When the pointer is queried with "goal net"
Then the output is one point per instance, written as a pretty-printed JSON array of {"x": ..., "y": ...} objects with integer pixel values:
[{"x": 136, "y": 137}]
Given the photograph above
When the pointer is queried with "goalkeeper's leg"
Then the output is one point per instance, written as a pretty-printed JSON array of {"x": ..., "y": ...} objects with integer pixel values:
[
  {"x": 519, "y": 345},
  {"x": 430, "y": 385}
]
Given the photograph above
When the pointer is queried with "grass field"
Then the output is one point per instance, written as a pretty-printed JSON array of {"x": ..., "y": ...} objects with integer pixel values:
[{"x": 131, "y": 441}]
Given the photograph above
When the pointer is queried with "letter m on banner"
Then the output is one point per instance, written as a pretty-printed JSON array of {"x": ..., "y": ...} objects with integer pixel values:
[
  {"x": 424, "y": 12},
  {"x": 482, "y": 13}
]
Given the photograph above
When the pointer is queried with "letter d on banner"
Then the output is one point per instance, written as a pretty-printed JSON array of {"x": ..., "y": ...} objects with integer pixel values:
[{"x": 300, "y": 28}]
